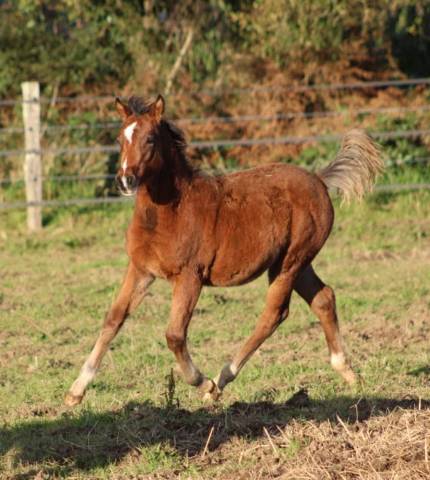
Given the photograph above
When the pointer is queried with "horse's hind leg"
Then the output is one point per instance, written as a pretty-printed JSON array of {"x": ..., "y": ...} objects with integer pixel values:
[
  {"x": 133, "y": 290},
  {"x": 275, "y": 311},
  {"x": 321, "y": 299}
]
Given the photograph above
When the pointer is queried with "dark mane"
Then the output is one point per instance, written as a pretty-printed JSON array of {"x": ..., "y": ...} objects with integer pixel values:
[
  {"x": 178, "y": 139},
  {"x": 177, "y": 135}
]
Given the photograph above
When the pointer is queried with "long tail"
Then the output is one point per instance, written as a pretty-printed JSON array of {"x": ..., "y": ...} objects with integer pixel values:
[{"x": 354, "y": 170}]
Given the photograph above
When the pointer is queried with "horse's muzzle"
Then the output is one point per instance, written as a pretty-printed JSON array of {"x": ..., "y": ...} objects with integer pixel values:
[{"x": 126, "y": 184}]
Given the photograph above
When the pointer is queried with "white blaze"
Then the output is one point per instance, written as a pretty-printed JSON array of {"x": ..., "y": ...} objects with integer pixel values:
[
  {"x": 128, "y": 132},
  {"x": 124, "y": 167}
]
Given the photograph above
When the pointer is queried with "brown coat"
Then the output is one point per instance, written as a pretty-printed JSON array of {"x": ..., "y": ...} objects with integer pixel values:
[{"x": 230, "y": 229}]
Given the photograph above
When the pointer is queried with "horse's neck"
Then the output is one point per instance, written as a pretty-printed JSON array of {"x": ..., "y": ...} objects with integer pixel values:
[
  {"x": 165, "y": 189},
  {"x": 179, "y": 167}
]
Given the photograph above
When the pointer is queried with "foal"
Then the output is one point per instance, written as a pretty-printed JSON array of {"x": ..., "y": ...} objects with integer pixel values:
[{"x": 195, "y": 230}]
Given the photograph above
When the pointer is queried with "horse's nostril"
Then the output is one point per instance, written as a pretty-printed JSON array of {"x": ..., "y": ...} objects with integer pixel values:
[
  {"x": 125, "y": 183},
  {"x": 130, "y": 180}
]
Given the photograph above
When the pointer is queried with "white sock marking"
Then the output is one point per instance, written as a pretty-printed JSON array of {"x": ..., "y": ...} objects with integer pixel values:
[
  {"x": 128, "y": 132},
  {"x": 85, "y": 377},
  {"x": 337, "y": 361},
  {"x": 227, "y": 375}
]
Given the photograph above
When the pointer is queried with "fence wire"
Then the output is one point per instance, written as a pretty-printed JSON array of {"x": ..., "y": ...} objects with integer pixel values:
[
  {"x": 64, "y": 203},
  {"x": 239, "y": 90},
  {"x": 102, "y": 200},
  {"x": 76, "y": 177},
  {"x": 238, "y": 119},
  {"x": 242, "y": 142}
]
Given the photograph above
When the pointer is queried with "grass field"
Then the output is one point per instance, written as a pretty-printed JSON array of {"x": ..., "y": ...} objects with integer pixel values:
[{"x": 286, "y": 416}]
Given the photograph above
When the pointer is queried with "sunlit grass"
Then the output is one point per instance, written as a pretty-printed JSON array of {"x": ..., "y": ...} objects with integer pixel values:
[{"x": 57, "y": 285}]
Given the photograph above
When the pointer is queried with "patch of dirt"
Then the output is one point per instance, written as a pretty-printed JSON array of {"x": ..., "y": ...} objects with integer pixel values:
[
  {"x": 373, "y": 255},
  {"x": 379, "y": 331}
]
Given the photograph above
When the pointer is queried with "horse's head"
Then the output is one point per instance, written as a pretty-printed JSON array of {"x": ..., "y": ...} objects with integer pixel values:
[{"x": 137, "y": 139}]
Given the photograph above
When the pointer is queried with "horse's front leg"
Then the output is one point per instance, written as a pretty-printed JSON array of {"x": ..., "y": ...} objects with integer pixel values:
[
  {"x": 186, "y": 291},
  {"x": 132, "y": 291}
]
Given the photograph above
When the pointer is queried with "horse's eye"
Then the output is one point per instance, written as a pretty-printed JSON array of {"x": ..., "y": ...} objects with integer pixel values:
[{"x": 150, "y": 139}]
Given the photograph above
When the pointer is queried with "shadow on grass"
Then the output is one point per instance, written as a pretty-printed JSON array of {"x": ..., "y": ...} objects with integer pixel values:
[
  {"x": 425, "y": 370},
  {"x": 95, "y": 440}
]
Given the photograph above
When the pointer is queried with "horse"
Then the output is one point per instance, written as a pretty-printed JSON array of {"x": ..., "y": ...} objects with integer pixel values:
[{"x": 194, "y": 230}]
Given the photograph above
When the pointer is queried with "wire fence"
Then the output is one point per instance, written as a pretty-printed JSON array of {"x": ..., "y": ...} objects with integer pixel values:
[
  {"x": 237, "y": 119},
  {"x": 105, "y": 200},
  {"x": 214, "y": 170},
  {"x": 219, "y": 143},
  {"x": 241, "y": 142},
  {"x": 400, "y": 83},
  {"x": 89, "y": 177},
  {"x": 413, "y": 82}
]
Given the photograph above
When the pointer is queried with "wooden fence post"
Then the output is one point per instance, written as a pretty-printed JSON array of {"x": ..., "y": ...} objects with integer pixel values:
[{"x": 33, "y": 155}]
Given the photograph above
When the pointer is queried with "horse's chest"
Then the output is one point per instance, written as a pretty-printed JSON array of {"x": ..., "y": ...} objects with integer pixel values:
[
  {"x": 150, "y": 250},
  {"x": 149, "y": 219}
]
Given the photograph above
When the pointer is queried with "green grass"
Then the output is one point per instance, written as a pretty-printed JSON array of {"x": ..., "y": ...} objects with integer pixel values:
[{"x": 56, "y": 287}]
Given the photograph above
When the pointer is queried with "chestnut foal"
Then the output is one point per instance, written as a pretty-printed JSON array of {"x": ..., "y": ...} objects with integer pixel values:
[{"x": 195, "y": 229}]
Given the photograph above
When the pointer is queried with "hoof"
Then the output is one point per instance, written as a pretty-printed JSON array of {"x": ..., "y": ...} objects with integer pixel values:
[
  {"x": 72, "y": 400},
  {"x": 213, "y": 394},
  {"x": 349, "y": 377},
  {"x": 207, "y": 386}
]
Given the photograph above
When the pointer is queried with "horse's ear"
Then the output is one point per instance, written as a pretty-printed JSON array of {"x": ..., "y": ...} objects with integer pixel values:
[
  {"x": 122, "y": 108},
  {"x": 158, "y": 108}
]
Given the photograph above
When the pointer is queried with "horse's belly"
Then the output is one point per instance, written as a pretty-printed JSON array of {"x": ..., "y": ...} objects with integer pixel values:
[
  {"x": 250, "y": 235},
  {"x": 240, "y": 260},
  {"x": 237, "y": 276}
]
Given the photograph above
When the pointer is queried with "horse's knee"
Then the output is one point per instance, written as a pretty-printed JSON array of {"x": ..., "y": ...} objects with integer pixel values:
[
  {"x": 115, "y": 318},
  {"x": 324, "y": 301},
  {"x": 271, "y": 320},
  {"x": 175, "y": 340}
]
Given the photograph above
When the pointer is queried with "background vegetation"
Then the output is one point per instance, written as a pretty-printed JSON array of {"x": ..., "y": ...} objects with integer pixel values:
[
  {"x": 123, "y": 47},
  {"x": 105, "y": 45}
]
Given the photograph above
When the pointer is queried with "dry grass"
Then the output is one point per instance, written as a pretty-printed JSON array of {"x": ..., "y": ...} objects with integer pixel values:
[
  {"x": 393, "y": 446},
  {"x": 377, "y": 444}
]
